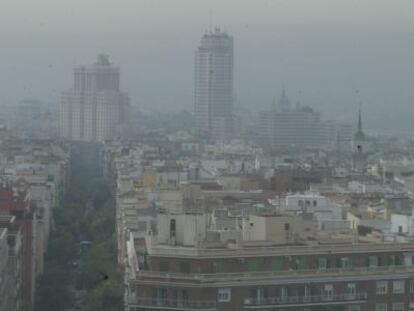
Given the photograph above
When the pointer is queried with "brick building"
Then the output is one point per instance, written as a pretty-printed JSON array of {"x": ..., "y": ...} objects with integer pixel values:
[
  {"x": 307, "y": 272},
  {"x": 15, "y": 201}
]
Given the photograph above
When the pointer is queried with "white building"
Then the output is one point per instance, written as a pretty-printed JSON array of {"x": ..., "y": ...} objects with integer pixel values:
[
  {"x": 284, "y": 125},
  {"x": 301, "y": 126},
  {"x": 95, "y": 109},
  {"x": 402, "y": 224},
  {"x": 327, "y": 213},
  {"x": 214, "y": 85},
  {"x": 182, "y": 229}
]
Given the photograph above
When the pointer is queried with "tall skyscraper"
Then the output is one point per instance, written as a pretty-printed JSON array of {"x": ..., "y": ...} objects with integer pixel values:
[
  {"x": 95, "y": 109},
  {"x": 214, "y": 85}
]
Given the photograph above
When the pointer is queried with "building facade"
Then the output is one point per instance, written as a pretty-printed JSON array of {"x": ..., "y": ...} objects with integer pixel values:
[
  {"x": 214, "y": 85},
  {"x": 95, "y": 109},
  {"x": 10, "y": 264},
  {"x": 341, "y": 273},
  {"x": 300, "y": 126}
]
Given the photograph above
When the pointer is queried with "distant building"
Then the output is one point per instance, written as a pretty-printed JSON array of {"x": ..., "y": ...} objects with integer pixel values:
[
  {"x": 213, "y": 96},
  {"x": 95, "y": 109},
  {"x": 293, "y": 180},
  {"x": 284, "y": 126},
  {"x": 300, "y": 126},
  {"x": 359, "y": 148}
]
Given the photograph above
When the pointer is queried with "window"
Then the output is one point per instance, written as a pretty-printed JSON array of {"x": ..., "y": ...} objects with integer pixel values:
[
  {"x": 408, "y": 259},
  {"x": 224, "y": 295},
  {"x": 345, "y": 262},
  {"x": 217, "y": 267},
  {"x": 298, "y": 264},
  {"x": 277, "y": 264},
  {"x": 160, "y": 295},
  {"x": 262, "y": 293},
  {"x": 381, "y": 307},
  {"x": 164, "y": 266},
  {"x": 394, "y": 260},
  {"x": 328, "y": 292},
  {"x": 351, "y": 290},
  {"x": 398, "y": 287},
  {"x": 354, "y": 308},
  {"x": 283, "y": 292},
  {"x": 398, "y": 306},
  {"x": 180, "y": 298},
  {"x": 322, "y": 263},
  {"x": 373, "y": 261},
  {"x": 412, "y": 286},
  {"x": 253, "y": 265},
  {"x": 301, "y": 263},
  {"x": 184, "y": 267},
  {"x": 382, "y": 287}
]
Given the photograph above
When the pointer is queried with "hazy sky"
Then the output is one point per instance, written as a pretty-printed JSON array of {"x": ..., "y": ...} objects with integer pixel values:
[{"x": 322, "y": 51}]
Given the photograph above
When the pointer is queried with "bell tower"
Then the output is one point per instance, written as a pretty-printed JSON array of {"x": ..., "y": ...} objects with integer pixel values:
[{"x": 359, "y": 146}]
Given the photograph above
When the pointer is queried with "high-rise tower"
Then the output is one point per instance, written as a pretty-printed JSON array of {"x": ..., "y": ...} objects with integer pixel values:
[
  {"x": 214, "y": 85},
  {"x": 95, "y": 109}
]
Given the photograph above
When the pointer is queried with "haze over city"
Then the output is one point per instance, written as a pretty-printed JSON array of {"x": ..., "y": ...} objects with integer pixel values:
[
  {"x": 331, "y": 55},
  {"x": 216, "y": 155}
]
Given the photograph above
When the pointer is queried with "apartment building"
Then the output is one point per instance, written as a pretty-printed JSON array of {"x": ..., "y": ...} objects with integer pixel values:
[
  {"x": 283, "y": 265},
  {"x": 11, "y": 264},
  {"x": 192, "y": 236}
]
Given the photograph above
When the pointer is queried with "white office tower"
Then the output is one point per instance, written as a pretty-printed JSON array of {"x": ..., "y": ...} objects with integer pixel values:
[
  {"x": 95, "y": 109},
  {"x": 214, "y": 85}
]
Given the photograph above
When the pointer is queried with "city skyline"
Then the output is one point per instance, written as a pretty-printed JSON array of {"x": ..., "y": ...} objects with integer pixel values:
[
  {"x": 346, "y": 51},
  {"x": 219, "y": 155}
]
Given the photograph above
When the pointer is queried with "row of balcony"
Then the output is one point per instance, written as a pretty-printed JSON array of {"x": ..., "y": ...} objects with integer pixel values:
[
  {"x": 171, "y": 304},
  {"x": 364, "y": 248},
  {"x": 216, "y": 277},
  {"x": 307, "y": 300},
  {"x": 174, "y": 304}
]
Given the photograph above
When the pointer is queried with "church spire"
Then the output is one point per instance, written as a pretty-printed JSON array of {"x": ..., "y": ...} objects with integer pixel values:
[
  {"x": 359, "y": 120},
  {"x": 359, "y": 135}
]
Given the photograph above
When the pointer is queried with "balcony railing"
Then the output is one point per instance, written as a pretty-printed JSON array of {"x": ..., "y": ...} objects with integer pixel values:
[
  {"x": 266, "y": 275},
  {"x": 307, "y": 300},
  {"x": 357, "y": 248},
  {"x": 171, "y": 304}
]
